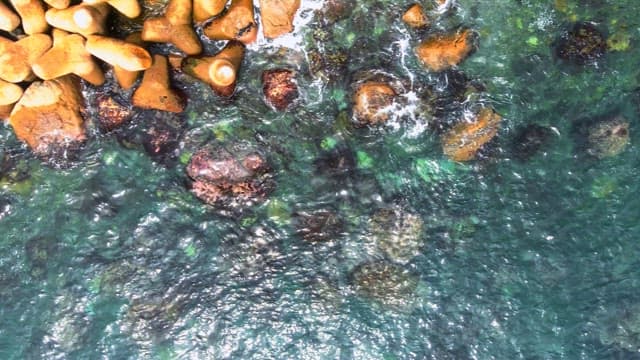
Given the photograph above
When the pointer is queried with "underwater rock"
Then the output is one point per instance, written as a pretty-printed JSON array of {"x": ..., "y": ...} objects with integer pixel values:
[
  {"x": 621, "y": 327},
  {"x": 111, "y": 112},
  {"x": 318, "y": 226},
  {"x": 583, "y": 44},
  {"x": 338, "y": 162},
  {"x": 279, "y": 87},
  {"x": 415, "y": 17},
  {"x": 530, "y": 139},
  {"x": 329, "y": 65},
  {"x": 220, "y": 71},
  {"x": 335, "y": 10},
  {"x": 154, "y": 91},
  {"x": 39, "y": 250},
  {"x": 161, "y": 139},
  {"x": 48, "y": 115},
  {"x": 384, "y": 282},
  {"x": 277, "y": 16},
  {"x": 221, "y": 177},
  {"x": 443, "y": 51},
  {"x": 237, "y": 23},
  {"x": 372, "y": 102},
  {"x": 608, "y": 138},
  {"x": 463, "y": 141},
  {"x": 397, "y": 233}
]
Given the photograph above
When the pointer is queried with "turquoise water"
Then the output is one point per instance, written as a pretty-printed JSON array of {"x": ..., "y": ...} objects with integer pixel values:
[{"x": 112, "y": 257}]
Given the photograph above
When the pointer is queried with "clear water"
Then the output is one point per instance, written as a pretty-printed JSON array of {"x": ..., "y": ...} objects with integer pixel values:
[{"x": 114, "y": 258}]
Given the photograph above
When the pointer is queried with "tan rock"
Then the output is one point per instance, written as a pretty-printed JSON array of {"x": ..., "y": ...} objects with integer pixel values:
[
  {"x": 175, "y": 28},
  {"x": 82, "y": 18},
  {"x": 277, "y": 16},
  {"x": 9, "y": 93},
  {"x": 237, "y": 23},
  {"x": 219, "y": 71},
  {"x": 415, "y": 17},
  {"x": 444, "y": 51},
  {"x": 206, "y": 9},
  {"x": 32, "y": 14},
  {"x": 58, "y": 4},
  {"x": 128, "y": 8},
  {"x": 119, "y": 53},
  {"x": 16, "y": 57},
  {"x": 154, "y": 91},
  {"x": 463, "y": 141},
  {"x": 126, "y": 78},
  {"x": 9, "y": 21},
  {"x": 5, "y": 111},
  {"x": 48, "y": 114}
]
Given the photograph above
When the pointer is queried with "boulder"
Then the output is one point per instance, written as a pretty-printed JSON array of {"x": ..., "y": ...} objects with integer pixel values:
[
  {"x": 277, "y": 16},
  {"x": 48, "y": 115},
  {"x": 279, "y": 87},
  {"x": 444, "y": 51},
  {"x": 582, "y": 44},
  {"x": 463, "y": 141},
  {"x": 372, "y": 102}
]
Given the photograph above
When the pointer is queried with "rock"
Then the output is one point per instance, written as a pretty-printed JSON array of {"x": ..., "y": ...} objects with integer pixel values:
[
  {"x": 372, "y": 102},
  {"x": 279, "y": 87},
  {"x": 335, "y": 10},
  {"x": 583, "y": 44},
  {"x": 277, "y": 16},
  {"x": 337, "y": 163},
  {"x": 48, "y": 115},
  {"x": 384, "y": 282},
  {"x": 415, "y": 17},
  {"x": 444, "y": 51},
  {"x": 463, "y": 141},
  {"x": 608, "y": 138},
  {"x": 529, "y": 140},
  {"x": 318, "y": 226},
  {"x": 328, "y": 64},
  {"x": 397, "y": 233},
  {"x": 224, "y": 178},
  {"x": 111, "y": 112}
]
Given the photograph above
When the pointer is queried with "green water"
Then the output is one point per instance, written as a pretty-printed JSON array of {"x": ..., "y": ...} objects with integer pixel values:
[{"x": 114, "y": 258}]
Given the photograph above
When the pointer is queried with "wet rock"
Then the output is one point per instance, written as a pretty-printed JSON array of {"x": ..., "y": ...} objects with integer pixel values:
[
  {"x": 463, "y": 141},
  {"x": 335, "y": 10},
  {"x": 39, "y": 250},
  {"x": 48, "y": 118},
  {"x": 529, "y": 140},
  {"x": 111, "y": 112},
  {"x": 582, "y": 44},
  {"x": 384, "y": 282},
  {"x": 318, "y": 226},
  {"x": 224, "y": 177},
  {"x": 328, "y": 64},
  {"x": 397, "y": 233},
  {"x": 338, "y": 162},
  {"x": 277, "y": 16},
  {"x": 373, "y": 102},
  {"x": 415, "y": 17},
  {"x": 279, "y": 87},
  {"x": 608, "y": 138},
  {"x": 444, "y": 51}
]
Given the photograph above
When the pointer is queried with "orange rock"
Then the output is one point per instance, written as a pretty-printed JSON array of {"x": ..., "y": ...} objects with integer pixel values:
[
  {"x": 415, "y": 17},
  {"x": 441, "y": 52},
  {"x": 32, "y": 14},
  {"x": 175, "y": 28},
  {"x": 236, "y": 24},
  {"x": 219, "y": 71},
  {"x": 206, "y": 9},
  {"x": 82, "y": 18},
  {"x": 48, "y": 114},
  {"x": 371, "y": 101},
  {"x": 9, "y": 93},
  {"x": 277, "y": 16},
  {"x": 9, "y": 21},
  {"x": 126, "y": 78},
  {"x": 5, "y": 111},
  {"x": 154, "y": 91},
  {"x": 463, "y": 141}
]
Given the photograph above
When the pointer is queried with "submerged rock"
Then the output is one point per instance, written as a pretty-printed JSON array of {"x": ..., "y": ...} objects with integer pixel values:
[
  {"x": 318, "y": 226},
  {"x": 372, "y": 102},
  {"x": 529, "y": 140},
  {"x": 277, "y": 16},
  {"x": 397, "y": 233},
  {"x": 328, "y": 64},
  {"x": 384, "y": 282},
  {"x": 583, "y": 44},
  {"x": 279, "y": 87},
  {"x": 443, "y": 51},
  {"x": 463, "y": 141},
  {"x": 222, "y": 177},
  {"x": 608, "y": 138},
  {"x": 111, "y": 112},
  {"x": 415, "y": 17},
  {"x": 48, "y": 117}
]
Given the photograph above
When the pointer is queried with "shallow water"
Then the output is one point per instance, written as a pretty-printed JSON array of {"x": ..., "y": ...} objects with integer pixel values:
[{"x": 114, "y": 258}]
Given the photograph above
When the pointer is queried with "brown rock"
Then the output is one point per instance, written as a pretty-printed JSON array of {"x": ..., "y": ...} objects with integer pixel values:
[
  {"x": 415, "y": 17},
  {"x": 277, "y": 16},
  {"x": 111, "y": 114},
  {"x": 236, "y": 24},
  {"x": 48, "y": 115},
  {"x": 371, "y": 102},
  {"x": 463, "y": 141},
  {"x": 279, "y": 88},
  {"x": 441, "y": 52}
]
